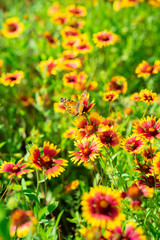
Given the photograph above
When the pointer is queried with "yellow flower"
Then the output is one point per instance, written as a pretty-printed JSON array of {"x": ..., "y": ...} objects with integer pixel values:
[
  {"x": 12, "y": 78},
  {"x": 12, "y": 28}
]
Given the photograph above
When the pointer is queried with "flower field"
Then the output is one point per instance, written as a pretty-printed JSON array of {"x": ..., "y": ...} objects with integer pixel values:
[{"x": 80, "y": 120}]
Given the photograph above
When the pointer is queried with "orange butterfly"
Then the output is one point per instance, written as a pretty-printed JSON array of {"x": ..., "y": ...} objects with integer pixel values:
[{"x": 74, "y": 108}]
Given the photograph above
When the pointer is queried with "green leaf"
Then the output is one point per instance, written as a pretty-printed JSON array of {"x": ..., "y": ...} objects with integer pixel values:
[
  {"x": 16, "y": 187},
  {"x": 52, "y": 206},
  {"x": 58, "y": 218},
  {"x": 42, "y": 212},
  {"x": 72, "y": 220},
  {"x": 2, "y": 144},
  {"x": 30, "y": 194},
  {"x": 47, "y": 210}
]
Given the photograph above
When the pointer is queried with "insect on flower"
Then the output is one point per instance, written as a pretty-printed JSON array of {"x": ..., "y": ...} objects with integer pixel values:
[
  {"x": 130, "y": 146},
  {"x": 74, "y": 108}
]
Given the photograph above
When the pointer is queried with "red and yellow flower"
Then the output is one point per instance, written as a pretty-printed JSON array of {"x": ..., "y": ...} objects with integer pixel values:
[
  {"x": 156, "y": 164},
  {"x": 54, "y": 9},
  {"x": 150, "y": 180},
  {"x": 110, "y": 96},
  {"x": 21, "y": 223},
  {"x": 156, "y": 66},
  {"x": 148, "y": 127},
  {"x": 47, "y": 161},
  {"x": 59, "y": 107},
  {"x": 88, "y": 150},
  {"x": 83, "y": 46},
  {"x": 49, "y": 66},
  {"x": 26, "y": 100},
  {"x": 91, "y": 233},
  {"x": 155, "y": 3},
  {"x": 1, "y": 64},
  {"x": 101, "y": 207},
  {"x": 70, "y": 79},
  {"x": 105, "y": 38},
  {"x": 147, "y": 96},
  {"x": 144, "y": 69},
  {"x": 128, "y": 111},
  {"x": 70, "y": 42},
  {"x": 70, "y": 65},
  {"x": 108, "y": 122},
  {"x": 60, "y": 18},
  {"x": 135, "y": 97},
  {"x": 130, "y": 3},
  {"x": 143, "y": 168},
  {"x": 12, "y": 28},
  {"x": 50, "y": 39},
  {"x": 109, "y": 136},
  {"x": 69, "y": 32},
  {"x": 68, "y": 54},
  {"x": 76, "y": 11},
  {"x": 70, "y": 133},
  {"x": 85, "y": 128},
  {"x": 17, "y": 169},
  {"x": 133, "y": 144},
  {"x": 74, "y": 79},
  {"x": 135, "y": 192},
  {"x": 149, "y": 154},
  {"x": 72, "y": 186},
  {"x": 118, "y": 83},
  {"x": 131, "y": 232},
  {"x": 76, "y": 23},
  {"x": 12, "y": 78},
  {"x": 87, "y": 106}
]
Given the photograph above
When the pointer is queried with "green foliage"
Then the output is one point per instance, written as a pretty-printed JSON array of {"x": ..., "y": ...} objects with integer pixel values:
[{"x": 57, "y": 211}]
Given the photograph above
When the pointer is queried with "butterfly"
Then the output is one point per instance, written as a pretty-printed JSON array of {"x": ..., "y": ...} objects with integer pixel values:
[{"x": 74, "y": 108}]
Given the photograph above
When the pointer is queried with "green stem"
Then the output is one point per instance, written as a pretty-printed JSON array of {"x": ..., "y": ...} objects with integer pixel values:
[
  {"x": 6, "y": 189},
  {"x": 109, "y": 111},
  {"x": 8, "y": 192},
  {"x": 37, "y": 173},
  {"x": 145, "y": 111},
  {"x": 45, "y": 184},
  {"x": 112, "y": 161}
]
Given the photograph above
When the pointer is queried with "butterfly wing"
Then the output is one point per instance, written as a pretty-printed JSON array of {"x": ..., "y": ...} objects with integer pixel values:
[
  {"x": 80, "y": 105},
  {"x": 71, "y": 106}
]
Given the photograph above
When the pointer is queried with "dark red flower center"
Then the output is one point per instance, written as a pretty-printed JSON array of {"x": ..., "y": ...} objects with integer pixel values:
[
  {"x": 74, "y": 25},
  {"x": 152, "y": 131},
  {"x": 132, "y": 146},
  {"x": 148, "y": 98},
  {"x": 12, "y": 27},
  {"x": 62, "y": 20},
  {"x": 71, "y": 79},
  {"x": 90, "y": 129},
  {"x": 46, "y": 162},
  {"x": 106, "y": 139},
  {"x": 76, "y": 11},
  {"x": 71, "y": 33},
  {"x": 110, "y": 97},
  {"x": 104, "y": 37},
  {"x": 86, "y": 151},
  {"x": 15, "y": 169},
  {"x": 82, "y": 47},
  {"x": 11, "y": 78},
  {"x": 50, "y": 39},
  {"x": 102, "y": 207},
  {"x": 115, "y": 86}
]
